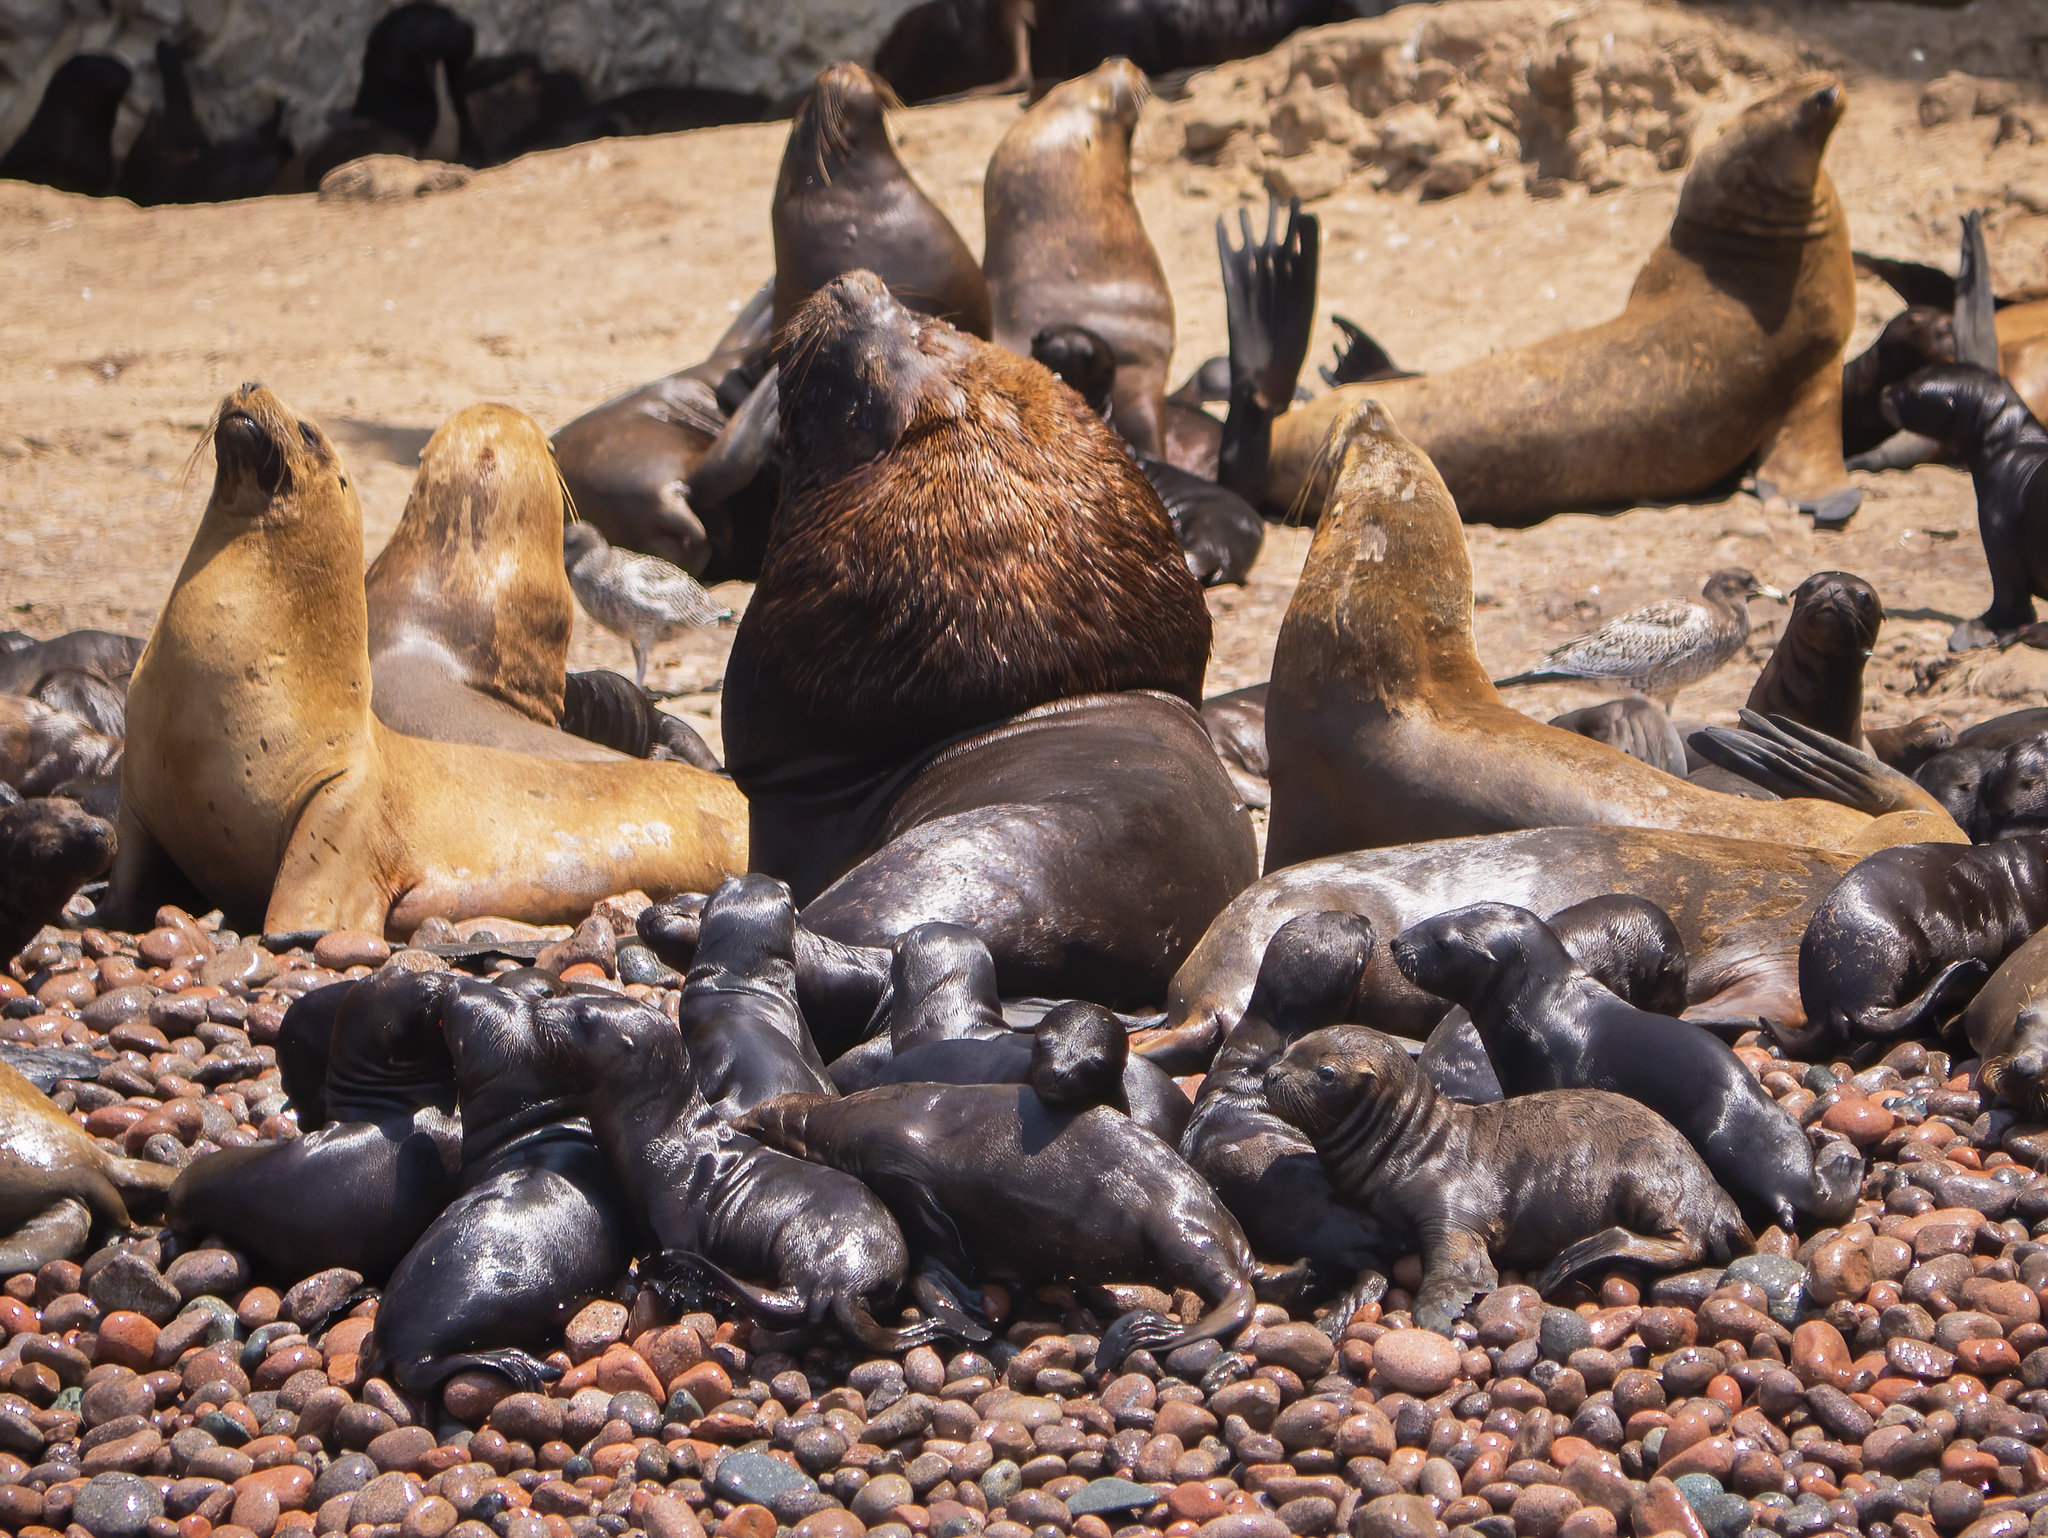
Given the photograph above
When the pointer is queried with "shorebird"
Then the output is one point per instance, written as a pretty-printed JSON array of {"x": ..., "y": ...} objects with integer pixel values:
[
  {"x": 642, "y": 599},
  {"x": 1660, "y": 648}
]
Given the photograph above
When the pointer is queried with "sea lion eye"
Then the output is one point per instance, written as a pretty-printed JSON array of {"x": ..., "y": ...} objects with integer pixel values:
[
  {"x": 312, "y": 438},
  {"x": 1326, "y": 1074}
]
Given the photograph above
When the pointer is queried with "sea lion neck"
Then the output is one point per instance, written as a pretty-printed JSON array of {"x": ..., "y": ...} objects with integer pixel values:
[
  {"x": 1401, "y": 1114},
  {"x": 841, "y": 135},
  {"x": 1762, "y": 178}
]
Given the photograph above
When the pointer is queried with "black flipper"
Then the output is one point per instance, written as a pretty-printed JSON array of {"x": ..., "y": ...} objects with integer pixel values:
[
  {"x": 1795, "y": 760},
  {"x": 1360, "y": 359},
  {"x": 1269, "y": 290}
]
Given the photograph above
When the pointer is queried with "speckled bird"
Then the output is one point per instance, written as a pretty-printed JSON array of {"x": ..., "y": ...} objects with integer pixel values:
[
  {"x": 1662, "y": 647},
  {"x": 642, "y": 599}
]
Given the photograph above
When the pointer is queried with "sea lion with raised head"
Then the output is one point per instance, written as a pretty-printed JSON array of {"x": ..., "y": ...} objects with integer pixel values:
[
  {"x": 965, "y": 684},
  {"x": 257, "y": 773},
  {"x": 1815, "y": 673},
  {"x": 1383, "y": 728},
  {"x": 1566, "y": 1180},
  {"x": 1730, "y": 350}
]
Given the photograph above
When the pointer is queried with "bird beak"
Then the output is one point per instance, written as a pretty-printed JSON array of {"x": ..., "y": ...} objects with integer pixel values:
[{"x": 1765, "y": 590}]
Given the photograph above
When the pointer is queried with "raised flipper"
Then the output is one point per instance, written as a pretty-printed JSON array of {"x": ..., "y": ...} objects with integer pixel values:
[
  {"x": 59, "y": 1232},
  {"x": 1946, "y": 996},
  {"x": 1976, "y": 309},
  {"x": 1360, "y": 359},
  {"x": 1269, "y": 290},
  {"x": 1796, "y": 760},
  {"x": 1608, "y": 1246},
  {"x": 1455, "y": 1269},
  {"x": 743, "y": 446}
]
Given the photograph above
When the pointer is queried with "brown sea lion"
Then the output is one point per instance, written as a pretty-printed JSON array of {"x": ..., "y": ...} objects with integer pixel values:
[
  {"x": 257, "y": 772},
  {"x": 843, "y": 202},
  {"x": 965, "y": 685},
  {"x": 56, "y": 1182},
  {"x": 1382, "y": 728},
  {"x": 1066, "y": 245},
  {"x": 1730, "y": 349},
  {"x": 2007, "y": 1026},
  {"x": 49, "y": 848},
  {"x": 1567, "y": 1179},
  {"x": 1815, "y": 673},
  {"x": 44, "y": 749}
]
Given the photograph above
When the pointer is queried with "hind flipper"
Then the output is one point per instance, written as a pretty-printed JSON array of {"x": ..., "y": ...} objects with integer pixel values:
[
  {"x": 1901, "y": 451},
  {"x": 1837, "y": 1181},
  {"x": 934, "y": 1289},
  {"x": 1946, "y": 996},
  {"x": 742, "y": 447},
  {"x": 1975, "y": 323},
  {"x": 1369, "y": 1287},
  {"x": 1609, "y": 1245},
  {"x": 1269, "y": 290},
  {"x": 1360, "y": 359},
  {"x": 59, "y": 1232}
]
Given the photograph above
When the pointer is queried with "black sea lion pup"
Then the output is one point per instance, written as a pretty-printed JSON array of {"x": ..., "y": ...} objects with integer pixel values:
[
  {"x": 1568, "y": 1179},
  {"x": 1815, "y": 673},
  {"x": 49, "y": 848},
  {"x": 739, "y": 1014},
  {"x": 1910, "y": 934},
  {"x": 1547, "y": 1026},
  {"x": 381, "y": 1150},
  {"x": 1078, "y": 1054},
  {"x": 538, "y": 1228},
  {"x": 998, "y": 1186},
  {"x": 1980, "y": 418}
]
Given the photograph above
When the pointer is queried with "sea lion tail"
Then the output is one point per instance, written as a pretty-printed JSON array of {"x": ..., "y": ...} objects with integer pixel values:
[{"x": 1947, "y": 995}]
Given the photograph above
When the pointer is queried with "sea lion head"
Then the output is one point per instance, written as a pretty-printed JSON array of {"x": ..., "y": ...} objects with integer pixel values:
[
  {"x": 1836, "y": 615},
  {"x": 842, "y": 119},
  {"x": 49, "y": 847},
  {"x": 1952, "y": 403},
  {"x": 272, "y": 466},
  {"x": 941, "y": 977},
  {"x": 1311, "y": 973},
  {"x": 1077, "y": 1057},
  {"x": 748, "y": 930},
  {"x": 1956, "y": 779},
  {"x": 1109, "y": 96},
  {"x": 1461, "y": 955},
  {"x": 1628, "y": 944},
  {"x": 1762, "y": 174},
  {"x": 1082, "y": 358},
  {"x": 2012, "y": 801},
  {"x": 1915, "y": 338},
  {"x": 2018, "y": 1074},
  {"x": 1334, "y": 1077},
  {"x": 602, "y": 1043}
]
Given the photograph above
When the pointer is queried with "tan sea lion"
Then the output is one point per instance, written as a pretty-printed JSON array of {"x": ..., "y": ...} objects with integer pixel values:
[
  {"x": 2007, "y": 1026},
  {"x": 257, "y": 771},
  {"x": 1066, "y": 246},
  {"x": 1382, "y": 728},
  {"x": 56, "y": 1182},
  {"x": 1730, "y": 349}
]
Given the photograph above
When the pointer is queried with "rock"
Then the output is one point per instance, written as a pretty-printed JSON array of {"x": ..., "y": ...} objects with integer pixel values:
[
  {"x": 198, "y": 1273},
  {"x": 1863, "y": 1122},
  {"x": 1560, "y": 1333},
  {"x": 249, "y": 965},
  {"x": 1100, "y": 1495},
  {"x": 1392, "y": 1516},
  {"x": 384, "y": 1500},
  {"x": 340, "y": 949},
  {"x": 1660, "y": 1508},
  {"x": 596, "y": 1326},
  {"x": 312, "y": 1301},
  {"x": 744, "y": 1477},
  {"x": 1301, "y": 1348},
  {"x": 116, "y": 1506},
  {"x": 1418, "y": 1362},
  {"x": 132, "y": 1283}
]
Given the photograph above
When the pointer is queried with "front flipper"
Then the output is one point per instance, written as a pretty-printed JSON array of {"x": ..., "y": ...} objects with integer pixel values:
[
  {"x": 742, "y": 447},
  {"x": 1456, "y": 1268},
  {"x": 1610, "y": 1245},
  {"x": 943, "y": 1296},
  {"x": 1370, "y": 1287},
  {"x": 58, "y": 1232},
  {"x": 1794, "y": 760}
]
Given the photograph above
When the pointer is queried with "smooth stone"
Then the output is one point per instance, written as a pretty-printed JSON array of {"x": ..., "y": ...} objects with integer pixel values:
[
  {"x": 131, "y": 1284},
  {"x": 116, "y": 1506},
  {"x": 742, "y": 1477},
  {"x": 1393, "y": 1516},
  {"x": 1417, "y": 1362},
  {"x": 1100, "y": 1495}
]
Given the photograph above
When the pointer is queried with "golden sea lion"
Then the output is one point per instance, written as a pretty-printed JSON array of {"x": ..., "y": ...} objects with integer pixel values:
[{"x": 55, "y": 1181}]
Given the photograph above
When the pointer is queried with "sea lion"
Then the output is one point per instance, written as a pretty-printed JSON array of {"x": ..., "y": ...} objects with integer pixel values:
[
  {"x": 381, "y": 1150},
  {"x": 1910, "y": 745},
  {"x": 102, "y": 653},
  {"x": 1979, "y": 418},
  {"x": 1383, "y": 729},
  {"x": 470, "y": 610},
  {"x": 1549, "y": 1026},
  {"x": 941, "y": 700},
  {"x": 844, "y": 202},
  {"x": 1262, "y": 1168},
  {"x": 738, "y": 1015},
  {"x": 1730, "y": 349},
  {"x": 1907, "y": 938},
  {"x": 1815, "y": 673},
  {"x": 52, "y": 1174},
  {"x": 411, "y": 100},
  {"x": 2007, "y": 1027},
  {"x": 43, "y": 749},
  {"x": 257, "y": 772},
  {"x": 174, "y": 161},
  {"x": 68, "y": 144},
  {"x": 1568, "y": 1179},
  {"x": 1066, "y": 246},
  {"x": 538, "y": 1226},
  {"x": 612, "y": 711},
  {"x": 49, "y": 848},
  {"x": 1915, "y": 338},
  {"x": 1236, "y": 723},
  {"x": 1741, "y": 909},
  {"x": 1635, "y": 725},
  {"x": 1001, "y": 1187},
  {"x": 716, "y": 1202},
  {"x": 101, "y": 705}
]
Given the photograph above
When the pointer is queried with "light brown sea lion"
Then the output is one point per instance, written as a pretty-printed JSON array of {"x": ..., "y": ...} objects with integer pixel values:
[
  {"x": 470, "y": 609},
  {"x": 55, "y": 1181},
  {"x": 1730, "y": 348},
  {"x": 2007, "y": 1026},
  {"x": 1382, "y": 728},
  {"x": 843, "y": 201},
  {"x": 1066, "y": 246},
  {"x": 257, "y": 772}
]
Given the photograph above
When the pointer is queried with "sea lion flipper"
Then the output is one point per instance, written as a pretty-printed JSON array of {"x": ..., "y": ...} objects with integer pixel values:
[
  {"x": 59, "y": 1232},
  {"x": 1951, "y": 990},
  {"x": 1901, "y": 451},
  {"x": 140, "y": 1177},
  {"x": 1369, "y": 1287},
  {"x": 1794, "y": 760},
  {"x": 1456, "y": 1268},
  {"x": 939, "y": 1293},
  {"x": 742, "y": 447},
  {"x": 1801, "y": 455},
  {"x": 1269, "y": 290},
  {"x": 1975, "y": 327},
  {"x": 1612, "y": 1244}
]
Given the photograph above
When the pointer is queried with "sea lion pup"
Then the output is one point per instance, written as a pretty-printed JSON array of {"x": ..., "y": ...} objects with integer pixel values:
[
  {"x": 2007, "y": 1027},
  {"x": 1907, "y": 747},
  {"x": 103, "y": 653},
  {"x": 999, "y": 1186},
  {"x": 68, "y": 144},
  {"x": 941, "y": 702},
  {"x": 844, "y": 202},
  {"x": 382, "y": 1148},
  {"x": 44, "y": 749},
  {"x": 1910, "y": 935},
  {"x": 49, "y": 848},
  {"x": 719, "y": 1206},
  {"x": 1066, "y": 245},
  {"x": 1569, "y": 1179},
  {"x": 738, "y": 1014},
  {"x": 1730, "y": 349},
  {"x": 1980, "y": 418},
  {"x": 538, "y": 1226},
  {"x": 1262, "y": 1168},
  {"x": 611, "y": 710},
  {"x": 1815, "y": 673},
  {"x": 1383, "y": 728},
  {"x": 1549, "y": 1026},
  {"x": 1635, "y": 725},
  {"x": 257, "y": 773},
  {"x": 1915, "y": 338},
  {"x": 470, "y": 609}
]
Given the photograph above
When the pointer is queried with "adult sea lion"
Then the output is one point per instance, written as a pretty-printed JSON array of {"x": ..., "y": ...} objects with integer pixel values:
[
  {"x": 43, "y": 750},
  {"x": 102, "y": 653},
  {"x": 1548, "y": 1026},
  {"x": 49, "y": 848},
  {"x": 1382, "y": 727},
  {"x": 257, "y": 773},
  {"x": 844, "y": 202},
  {"x": 2007, "y": 1027},
  {"x": 56, "y": 1183},
  {"x": 1066, "y": 246},
  {"x": 1730, "y": 349},
  {"x": 1568, "y": 1179},
  {"x": 966, "y": 681},
  {"x": 1815, "y": 673}
]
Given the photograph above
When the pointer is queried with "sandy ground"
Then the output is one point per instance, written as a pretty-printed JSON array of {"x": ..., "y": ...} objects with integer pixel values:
[{"x": 562, "y": 279}]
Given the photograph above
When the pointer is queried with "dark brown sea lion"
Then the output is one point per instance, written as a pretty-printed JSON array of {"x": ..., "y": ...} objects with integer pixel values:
[
  {"x": 1567, "y": 1180},
  {"x": 1547, "y": 1025},
  {"x": 411, "y": 100},
  {"x": 49, "y": 848},
  {"x": 1815, "y": 673},
  {"x": 1911, "y": 340},
  {"x": 1066, "y": 245},
  {"x": 969, "y": 597},
  {"x": 68, "y": 144},
  {"x": 1730, "y": 349},
  {"x": 1382, "y": 726},
  {"x": 2007, "y": 1027},
  {"x": 55, "y": 1181},
  {"x": 844, "y": 202},
  {"x": 256, "y": 771}
]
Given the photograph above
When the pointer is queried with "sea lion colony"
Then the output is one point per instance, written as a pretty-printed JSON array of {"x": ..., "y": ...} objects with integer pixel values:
[{"x": 935, "y": 1125}]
